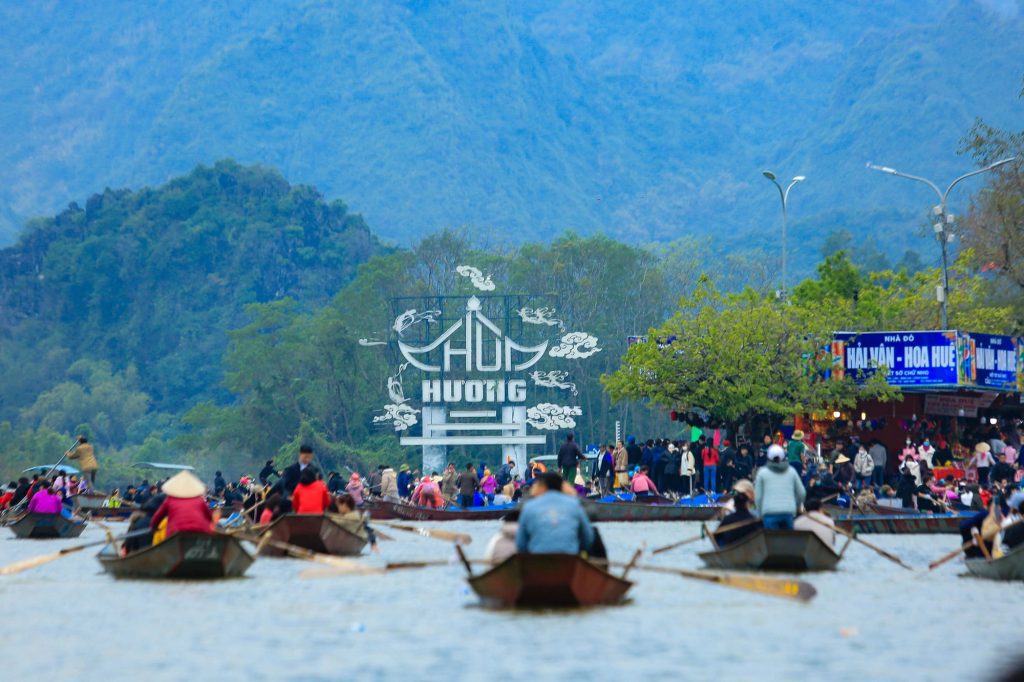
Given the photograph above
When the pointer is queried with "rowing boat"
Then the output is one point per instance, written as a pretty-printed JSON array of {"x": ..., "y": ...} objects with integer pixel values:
[
  {"x": 92, "y": 504},
  {"x": 46, "y": 527},
  {"x": 901, "y": 524},
  {"x": 640, "y": 511},
  {"x": 547, "y": 581},
  {"x": 1010, "y": 566},
  {"x": 774, "y": 550},
  {"x": 320, "y": 533},
  {"x": 185, "y": 556},
  {"x": 412, "y": 512}
]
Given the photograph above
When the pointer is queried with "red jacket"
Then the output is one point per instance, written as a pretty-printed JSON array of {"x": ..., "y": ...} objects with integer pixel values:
[
  {"x": 5, "y": 499},
  {"x": 311, "y": 499},
  {"x": 710, "y": 457},
  {"x": 189, "y": 515}
]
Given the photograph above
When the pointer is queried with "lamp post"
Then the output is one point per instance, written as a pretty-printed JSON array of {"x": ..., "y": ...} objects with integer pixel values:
[
  {"x": 943, "y": 227},
  {"x": 784, "y": 195}
]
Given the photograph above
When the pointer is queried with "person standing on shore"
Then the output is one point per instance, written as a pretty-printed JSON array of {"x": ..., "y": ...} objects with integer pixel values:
[
  {"x": 569, "y": 458},
  {"x": 778, "y": 491},
  {"x": 621, "y": 457},
  {"x": 468, "y": 484}
]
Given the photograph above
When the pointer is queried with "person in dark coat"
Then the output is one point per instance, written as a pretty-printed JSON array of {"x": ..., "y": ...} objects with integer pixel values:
[
  {"x": 741, "y": 515},
  {"x": 744, "y": 463},
  {"x": 468, "y": 484},
  {"x": 267, "y": 471},
  {"x": 907, "y": 489},
  {"x": 140, "y": 521},
  {"x": 659, "y": 455},
  {"x": 569, "y": 457},
  {"x": 633, "y": 452},
  {"x": 970, "y": 531},
  {"x": 219, "y": 484},
  {"x": 290, "y": 476}
]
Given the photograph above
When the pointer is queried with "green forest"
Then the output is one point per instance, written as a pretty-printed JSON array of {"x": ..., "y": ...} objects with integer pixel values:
[{"x": 215, "y": 319}]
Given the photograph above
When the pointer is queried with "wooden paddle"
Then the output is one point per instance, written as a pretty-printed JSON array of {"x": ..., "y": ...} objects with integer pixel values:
[
  {"x": 967, "y": 545},
  {"x": 25, "y": 564},
  {"x": 309, "y": 555},
  {"x": 875, "y": 548},
  {"x": 391, "y": 566},
  {"x": 774, "y": 587},
  {"x": 446, "y": 536},
  {"x": 695, "y": 538}
]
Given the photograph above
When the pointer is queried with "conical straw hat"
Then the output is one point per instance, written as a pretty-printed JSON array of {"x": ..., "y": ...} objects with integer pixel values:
[{"x": 184, "y": 485}]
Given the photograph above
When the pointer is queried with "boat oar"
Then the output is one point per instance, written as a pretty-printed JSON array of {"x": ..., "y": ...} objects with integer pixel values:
[
  {"x": 446, "y": 536},
  {"x": 309, "y": 555},
  {"x": 25, "y": 564},
  {"x": 878, "y": 550},
  {"x": 695, "y": 538},
  {"x": 774, "y": 587},
  {"x": 393, "y": 566}
]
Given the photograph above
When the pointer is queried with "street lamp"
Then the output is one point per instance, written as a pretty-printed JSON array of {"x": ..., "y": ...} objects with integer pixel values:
[
  {"x": 943, "y": 227},
  {"x": 784, "y": 195}
]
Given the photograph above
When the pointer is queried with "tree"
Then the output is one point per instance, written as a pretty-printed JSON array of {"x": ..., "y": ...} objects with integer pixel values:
[{"x": 738, "y": 357}]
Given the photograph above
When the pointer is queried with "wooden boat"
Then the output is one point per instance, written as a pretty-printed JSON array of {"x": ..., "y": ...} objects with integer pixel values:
[
  {"x": 902, "y": 524},
  {"x": 1010, "y": 566},
  {"x": 185, "y": 556},
  {"x": 641, "y": 511},
  {"x": 412, "y": 512},
  {"x": 548, "y": 580},
  {"x": 92, "y": 504},
  {"x": 321, "y": 533},
  {"x": 775, "y": 550},
  {"x": 46, "y": 527}
]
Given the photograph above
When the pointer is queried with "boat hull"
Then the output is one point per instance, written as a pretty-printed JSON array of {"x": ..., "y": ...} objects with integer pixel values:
[
  {"x": 548, "y": 581},
  {"x": 183, "y": 556},
  {"x": 315, "y": 532},
  {"x": 1007, "y": 567},
  {"x": 638, "y": 511},
  {"x": 775, "y": 550},
  {"x": 45, "y": 527},
  {"x": 411, "y": 512},
  {"x": 901, "y": 524}
]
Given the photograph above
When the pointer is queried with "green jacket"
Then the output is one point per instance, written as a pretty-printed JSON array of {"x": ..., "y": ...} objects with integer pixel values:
[{"x": 795, "y": 451}]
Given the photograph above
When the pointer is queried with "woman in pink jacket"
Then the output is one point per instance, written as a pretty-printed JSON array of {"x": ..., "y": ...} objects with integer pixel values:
[
  {"x": 488, "y": 486},
  {"x": 642, "y": 485},
  {"x": 45, "y": 501}
]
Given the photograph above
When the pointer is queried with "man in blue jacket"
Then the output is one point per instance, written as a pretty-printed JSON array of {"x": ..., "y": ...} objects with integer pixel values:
[{"x": 553, "y": 522}]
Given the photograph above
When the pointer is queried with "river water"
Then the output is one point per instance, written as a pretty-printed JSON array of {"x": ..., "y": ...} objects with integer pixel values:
[{"x": 871, "y": 620}]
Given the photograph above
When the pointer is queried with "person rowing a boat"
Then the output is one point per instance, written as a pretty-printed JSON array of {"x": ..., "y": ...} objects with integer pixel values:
[
  {"x": 86, "y": 460},
  {"x": 778, "y": 490},
  {"x": 354, "y": 521},
  {"x": 552, "y": 522},
  {"x": 739, "y": 523},
  {"x": 185, "y": 508}
]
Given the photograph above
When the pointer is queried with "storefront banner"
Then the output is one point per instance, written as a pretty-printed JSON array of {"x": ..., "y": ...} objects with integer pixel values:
[
  {"x": 913, "y": 359},
  {"x": 950, "y": 405},
  {"x": 995, "y": 361}
]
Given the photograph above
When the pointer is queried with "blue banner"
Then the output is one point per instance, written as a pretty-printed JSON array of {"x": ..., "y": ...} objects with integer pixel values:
[
  {"x": 913, "y": 358},
  {"x": 995, "y": 361}
]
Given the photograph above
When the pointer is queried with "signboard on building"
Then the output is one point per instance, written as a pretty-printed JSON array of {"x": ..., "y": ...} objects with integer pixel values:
[
  {"x": 912, "y": 358},
  {"x": 481, "y": 370},
  {"x": 932, "y": 359}
]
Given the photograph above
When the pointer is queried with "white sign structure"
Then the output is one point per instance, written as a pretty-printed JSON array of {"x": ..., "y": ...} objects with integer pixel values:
[{"x": 476, "y": 382}]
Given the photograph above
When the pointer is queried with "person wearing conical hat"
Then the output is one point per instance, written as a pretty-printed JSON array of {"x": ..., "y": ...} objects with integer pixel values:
[{"x": 185, "y": 507}]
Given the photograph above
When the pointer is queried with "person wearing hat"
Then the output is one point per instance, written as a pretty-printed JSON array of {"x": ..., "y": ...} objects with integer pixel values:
[
  {"x": 404, "y": 481},
  {"x": 844, "y": 472},
  {"x": 185, "y": 507},
  {"x": 355, "y": 488},
  {"x": 741, "y": 522},
  {"x": 795, "y": 451},
  {"x": 778, "y": 491},
  {"x": 982, "y": 461}
]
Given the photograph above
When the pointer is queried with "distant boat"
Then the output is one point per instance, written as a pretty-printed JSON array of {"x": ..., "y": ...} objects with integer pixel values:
[
  {"x": 774, "y": 550},
  {"x": 46, "y": 527},
  {"x": 186, "y": 556},
  {"x": 381, "y": 509},
  {"x": 548, "y": 581},
  {"x": 321, "y": 533}
]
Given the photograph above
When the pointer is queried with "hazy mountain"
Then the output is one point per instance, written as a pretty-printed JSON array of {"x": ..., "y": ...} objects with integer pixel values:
[{"x": 522, "y": 119}]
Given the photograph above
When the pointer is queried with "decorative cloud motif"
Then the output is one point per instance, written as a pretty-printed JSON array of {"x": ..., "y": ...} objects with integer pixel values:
[
  {"x": 550, "y": 417},
  {"x": 539, "y": 316},
  {"x": 366, "y": 343},
  {"x": 402, "y": 416},
  {"x": 553, "y": 379},
  {"x": 575, "y": 345},
  {"x": 411, "y": 317},
  {"x": 476, "y": 277},
  {"x": 395, "y": 390}
]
